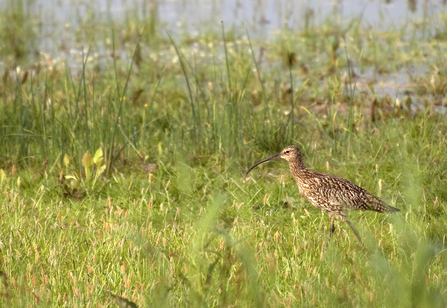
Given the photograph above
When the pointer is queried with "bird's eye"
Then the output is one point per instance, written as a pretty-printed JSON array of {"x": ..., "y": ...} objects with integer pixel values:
[{"x": 286, "y": 152}]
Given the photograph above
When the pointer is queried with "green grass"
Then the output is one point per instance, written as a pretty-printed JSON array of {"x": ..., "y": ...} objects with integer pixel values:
[{"x": 162, "y": 215}]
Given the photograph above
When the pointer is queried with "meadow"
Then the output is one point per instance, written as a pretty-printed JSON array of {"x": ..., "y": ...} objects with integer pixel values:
[{"x": 122, "y": 169}]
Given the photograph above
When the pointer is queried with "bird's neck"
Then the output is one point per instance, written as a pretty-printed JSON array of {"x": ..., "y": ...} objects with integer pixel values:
[{"x": 298, "y": 169}]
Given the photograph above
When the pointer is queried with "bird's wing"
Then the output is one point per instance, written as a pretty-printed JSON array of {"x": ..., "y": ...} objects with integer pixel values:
[{"x": 342, "y": 194}]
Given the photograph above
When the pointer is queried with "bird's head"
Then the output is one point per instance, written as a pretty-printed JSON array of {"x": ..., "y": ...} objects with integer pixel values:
[{"x": 290, "y": 153}]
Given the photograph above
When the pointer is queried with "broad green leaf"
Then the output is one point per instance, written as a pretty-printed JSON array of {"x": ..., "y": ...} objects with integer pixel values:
[
  {"x": 87, "y": 162},
  {"x": 98, "y": 156},
  {"x": 75, "y": 183},
  {"x": 98, "y": 174},
  {"x": 99, "y": 163},
  {"x": 2, "y": 176},
  {"x": 101, "y": 170},
  {"x": 66, "y": 160},
  {"x": 160, "y": 149}
]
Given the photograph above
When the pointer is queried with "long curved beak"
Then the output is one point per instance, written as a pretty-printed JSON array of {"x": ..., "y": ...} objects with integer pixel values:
[{"x": 263, "y": 161}]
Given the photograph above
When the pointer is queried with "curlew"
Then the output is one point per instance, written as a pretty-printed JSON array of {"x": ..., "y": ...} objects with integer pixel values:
[{"x": 332, "y": 194}]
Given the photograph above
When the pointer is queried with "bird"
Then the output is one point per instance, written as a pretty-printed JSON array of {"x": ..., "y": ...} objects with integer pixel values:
[{"x": 332, "y": 194}]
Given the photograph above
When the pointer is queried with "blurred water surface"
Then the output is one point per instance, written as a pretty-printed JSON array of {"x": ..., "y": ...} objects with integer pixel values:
[{"x": 260, "y": 17}]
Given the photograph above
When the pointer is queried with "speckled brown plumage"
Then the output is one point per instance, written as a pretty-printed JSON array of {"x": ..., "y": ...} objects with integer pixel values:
[{"x": 332, "y": 194}]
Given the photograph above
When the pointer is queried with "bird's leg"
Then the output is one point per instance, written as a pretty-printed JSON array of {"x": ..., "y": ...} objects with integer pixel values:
[
  {"x": 332, "y": 226},
  {"x": 355, "y": 230}
]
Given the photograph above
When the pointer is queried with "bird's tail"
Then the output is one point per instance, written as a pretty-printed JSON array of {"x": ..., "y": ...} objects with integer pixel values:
[
  {"x": 376, "y": 204},
  {"x": 391, "y": 209}
]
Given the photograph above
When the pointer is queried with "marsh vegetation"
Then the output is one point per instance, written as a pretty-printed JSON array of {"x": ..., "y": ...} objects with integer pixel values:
[{"x": 123, "y": 153}]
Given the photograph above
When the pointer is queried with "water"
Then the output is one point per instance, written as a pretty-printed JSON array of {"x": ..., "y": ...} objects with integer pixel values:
[
  {"x": 262, "y": 18},
  {"x": 59, "y": 20}
]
